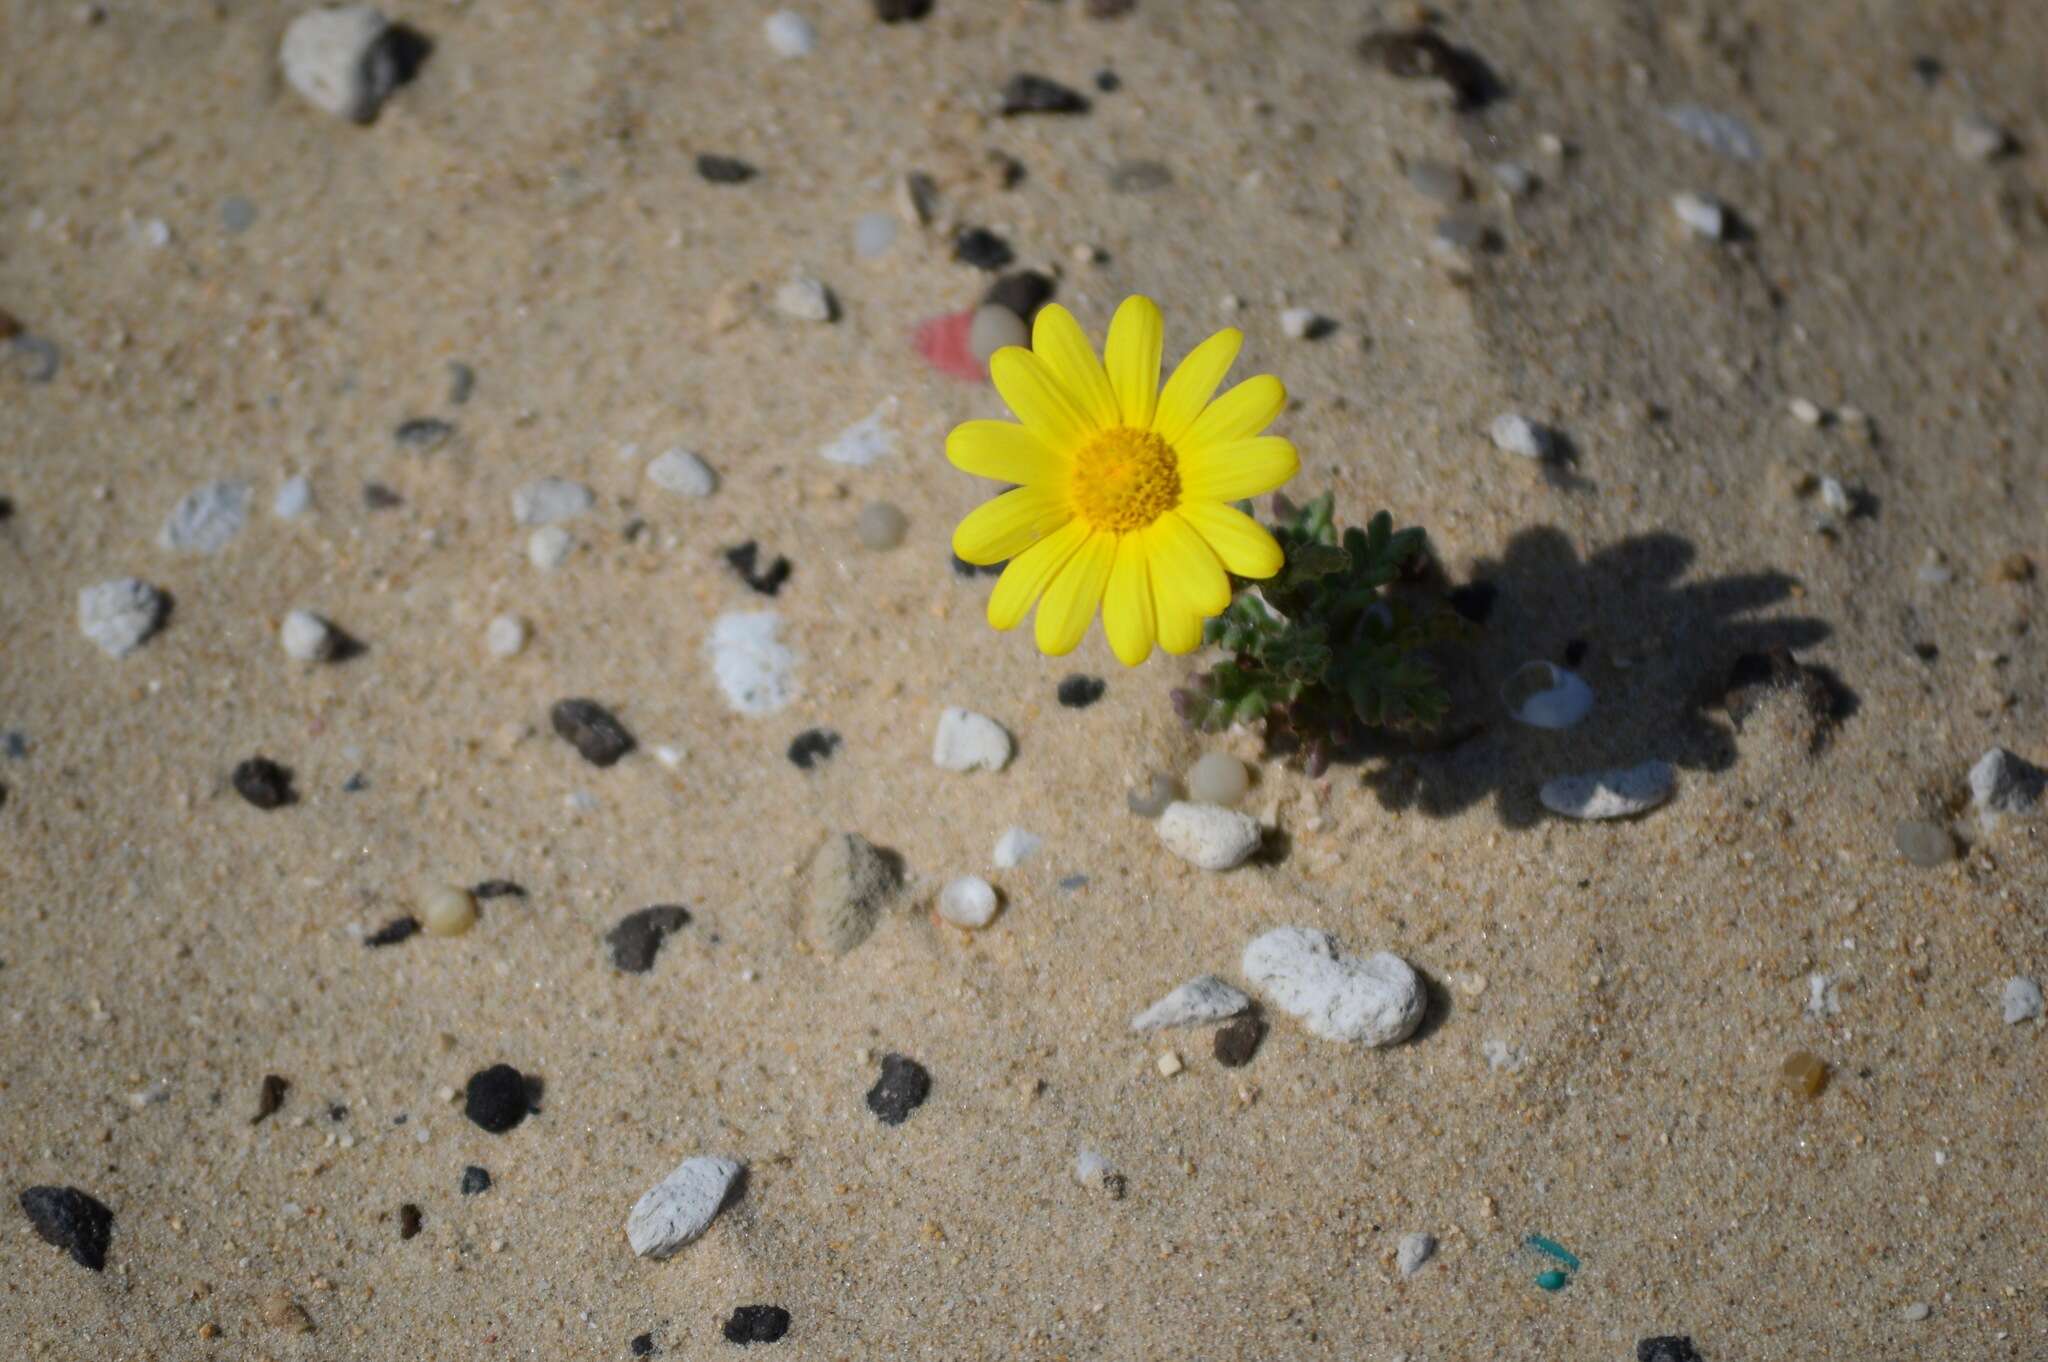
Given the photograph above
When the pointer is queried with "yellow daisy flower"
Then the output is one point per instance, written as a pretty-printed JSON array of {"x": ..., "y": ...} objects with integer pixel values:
[{"x": 1124, "y": 486}]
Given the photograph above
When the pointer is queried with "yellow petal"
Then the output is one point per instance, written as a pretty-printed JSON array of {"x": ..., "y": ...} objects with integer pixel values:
[
  {"x": 1185, "y": 567},
  {"x": 1018, "y": 589},
  {"x": 1069, "y": 604},
  {"x": 1241, "y": 542},
  {"x": 1234, "y": 471},
  {"x": 1057, "y": 339},
  {"x": 1136, "y": 336},
  {"x": 1010, "y": 524},
  {"x": 1194, "y": 382},
  {"x": 1003, "y": 450},
  {"x": 1239, "y": 414},
  {"x": 1127, "y": 614},
  {"x": 1180, "y": 624},
  {"x": 1028, "y": 385}
]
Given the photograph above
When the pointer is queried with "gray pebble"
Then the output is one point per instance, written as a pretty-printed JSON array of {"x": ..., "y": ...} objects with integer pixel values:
[
  {"x": 1151, "y": 801},
  {"x": 1514, "y": 177},
  {"x": 237, "y": 214},
  {"x": 1437, "y": 182},
  {"x": 993, "y": 327},
  {"x": 873, "y": 234},
  {"x": 1977, "y": 138},
  {"x": 1140, "y": 177},
  {"x": 1200, "y": 1000},
  {"x": 206, "y": 518},
  {"x": 1923, "y": 843},
  {"x": 881, "y": 525},
  {"x": 1619, "y": 793},
  {"x": 294, "y": 498},
  {"x": 2003, "y": 783},
  {"x": 121, "y": 614},
  {"x": 461, "y": 382},
  {"x": 2021, "y": 1000},
  {"x": 683, "y": 473},
  {"x": 851, "y": 882},
  {"x": 1723, "y": 133},
  {"x": 1413, "y": 1251}
]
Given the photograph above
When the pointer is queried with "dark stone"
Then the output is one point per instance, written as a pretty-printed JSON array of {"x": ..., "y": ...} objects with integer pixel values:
[
  {"x": 1144, "y": 177},
  {"x": 423, "y": 434},
  {"x": 1021, "y": 291},
  {"x": 757, "y": 1324},
  {"x": 1239, "y": 1041},
  {"x": 1422, "y": 54},
  {"x": 14, "y": 744},
  {"x": 1927, "y": 70},
  {"x": 642, "y": 1345},
  {"x": 744, "y": 559},
  {"x": 6, "y": 508},
  {"x": 36, "y": 358},
  {"x": 72, "y": 1220},
  {"x": 1025, "y": 93},
  {"x": 1073, "y": 883},
  {"x": 898, "y": 11},
  {"x": 269, "y": 1097},
  {"x": 393, "y": 932},
  {"x": 461, "y": 382},
  {"x": 1575, "y": 652},
  {"x": 378, "y": 497},
  {"x": 1108, "y": 81},
  {"x": 812, "y": 746},
  {"x": 475, "y": 1180},
  {"x": 591, "y": 729},
  {"x": 498, "y": 889},
  {"x": 637, "y": 937},
  {"x": 900, "y": 1090},
  {"x": 496, "y": 1098},
  {"x": 408, "y": 1220},
  {"x": 263, "y": 783},
  {"x": 724, "y": 169},
  {"x": 1079, "y": 692},
  {"x": 355, "y": 784},
  {"x": 983, "y": 249},
  {"x": 1666, "y": 1348},
  {"x": 1109, "y": 9}
]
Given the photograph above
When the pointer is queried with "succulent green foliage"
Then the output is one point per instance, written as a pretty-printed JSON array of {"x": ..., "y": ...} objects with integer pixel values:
[{"x": 1324, "y": 649}]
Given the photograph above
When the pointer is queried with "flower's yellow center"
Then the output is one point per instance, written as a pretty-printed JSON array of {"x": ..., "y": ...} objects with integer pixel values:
[{"x": 1124, "y": 479}]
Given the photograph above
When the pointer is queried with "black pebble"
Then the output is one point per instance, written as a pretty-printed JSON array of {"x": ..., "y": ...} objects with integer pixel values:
[
  {"x": 6, "y": 508},
  {"x": 1025, "y": 93},
  {"x": 900, "y": 1090},
  {"x": 1575, "y": 652},
  {"x": 1421, "y": 54},
  {"x": 1239, "y": 1041},
  {"x": 355, "y": 784},
  {"x": 461, "y": 382},
  {"x": 591, "y": 729},
  {"x": 378, "y": 497},
  {"x": 896, "y": 11},
  {"x": 1079, "y": 692},
  {"x": 1667, "y": 1348},
  {"x": 498, "y": 889},
  {"x": 263, "y": 783},
  {"x": 744, "y": 559},
  {"x": 475, "y": 1180},
  {"x": 1109, "y": 82},
  {"x": 393, "y": 932},
  {"x": 1021, "y": 291},
  {"x": 757, "y": 1324},
  {"x": 423, "y": 433},
  {"x": 642, "y": 1345},
  {"x": 408, "y": 1220},
  {"x": 638, "y": 935},
  {"x": 72, "y": 1220},
  {"x": 983, "y": 249},
  {"x": 724, "y": 169},
  {"x": 496, "y": 1098},
  {"x": 1927, "y": 70},
  {"x": 269, "y": 1097},
  {"x": 812, "y": 746}
]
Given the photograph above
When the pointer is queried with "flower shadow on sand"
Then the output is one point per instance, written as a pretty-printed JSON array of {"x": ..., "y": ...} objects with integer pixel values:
[{"x": 1657, "y": 650}]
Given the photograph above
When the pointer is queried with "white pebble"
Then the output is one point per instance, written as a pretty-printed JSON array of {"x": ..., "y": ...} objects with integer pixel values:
[
  {"x": 865, "y": 441},
  {"x": 206, "y": 518},
  {"x": 1805, "y": 411},
  {"x": 1169, "y": 1063},
  {"x": 752, "y": 666},
  {"x": 2022, "y": 1001},
  {"x": 2003, "y": 783},
  {"x": 548, "y": 501},
  {"x": 1202, "y": 999},
  {"x": 1094, "y": 1172},
  {"x": 294, "y": 498},
  {"x": 1977, "y": 138},
  {"x": 1514, "y": 177},
  {"x": 1514, "y": 433},
  {"x": 680, "y": 1207},
  {"x": 873, "y": 234},
  {"x": 1545, "y": 696},
  {"x": 804, "y": 298},
  {"x": 966, "y": 741},
  {"x": 1217, "y": 778},
  {"x": 1371, "y": 1001},
  {"x": 1501, "y": 1057},
  {"x": 683, "y": 473},
  {"x": 1915, "y": 1312},
  {"x": 341, "y": 60},
  {"x": 1297, "y": 323},
  {"x": 1208, "y": 837},
  {"x": 969, "y": 902},
  {"x": 1015, "y": 847},
  {"x": 1722, "y": 132},
  {"x": 993, "y": 327},
  {"x": 120, "y": 614},
  {"x": 1700, "y": 215},
  {"x": 1413, "y": 1251},
  {"x": 1835, "y": 497},
  {"x": 547, "y": 548},
  {"x": 505, "y": 636},
  {"x": 790, "y": 34},
  {"x": 306, "y": 636},
  {"x": 1610, "y": 794}
]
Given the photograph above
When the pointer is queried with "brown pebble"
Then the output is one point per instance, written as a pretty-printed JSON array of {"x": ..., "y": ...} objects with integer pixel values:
[
  {"x": 269, "y": 1097},
  {"x": 280, "y": 1311},
  {"x": 1805, "y": 1074},
  {"x": 9, "y": 326},
  {"x": 2014, "y": 567},
  {"x": 408, "y": 1220},
  {"x": 1239, "y": 1041}
]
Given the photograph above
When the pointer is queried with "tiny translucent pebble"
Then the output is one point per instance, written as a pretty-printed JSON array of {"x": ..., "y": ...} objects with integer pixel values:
[
  {"x": 505, "y": 636},
  {"x": 1218, "y": 778},
  {"x": 1152, "y": 801},
  {"x": 1923, "y": 843},
  {"x": 1805, "y": 411},
  {"x": 1169, "y": 1064},
  {"x": 969, "y": 901},
  {"x": 549, "y": 547},
  {"x": 1805, "y": 1074},
  {"x": 447, "y": 911},
  {"x": 1701, "y": 215},
  {"x": 306, "y": 637},
  {"x": 873, "y": 234},
  {"x": 881, "y": 525},
  {"x": 994, "y": 326},
  {"x": 790, "y": 34}
]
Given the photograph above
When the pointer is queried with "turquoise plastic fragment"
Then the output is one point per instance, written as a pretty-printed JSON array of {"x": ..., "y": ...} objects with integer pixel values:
[
  {"x": 1552, "y": 1280},
  {"x": 1554, "y": 1249}
]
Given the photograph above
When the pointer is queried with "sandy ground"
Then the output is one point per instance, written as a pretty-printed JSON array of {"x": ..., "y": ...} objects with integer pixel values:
[{"x": 529, "y": 206}]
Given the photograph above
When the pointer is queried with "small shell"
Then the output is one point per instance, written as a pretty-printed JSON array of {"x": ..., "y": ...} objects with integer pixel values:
[{"x": 1545, "y": 696}]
